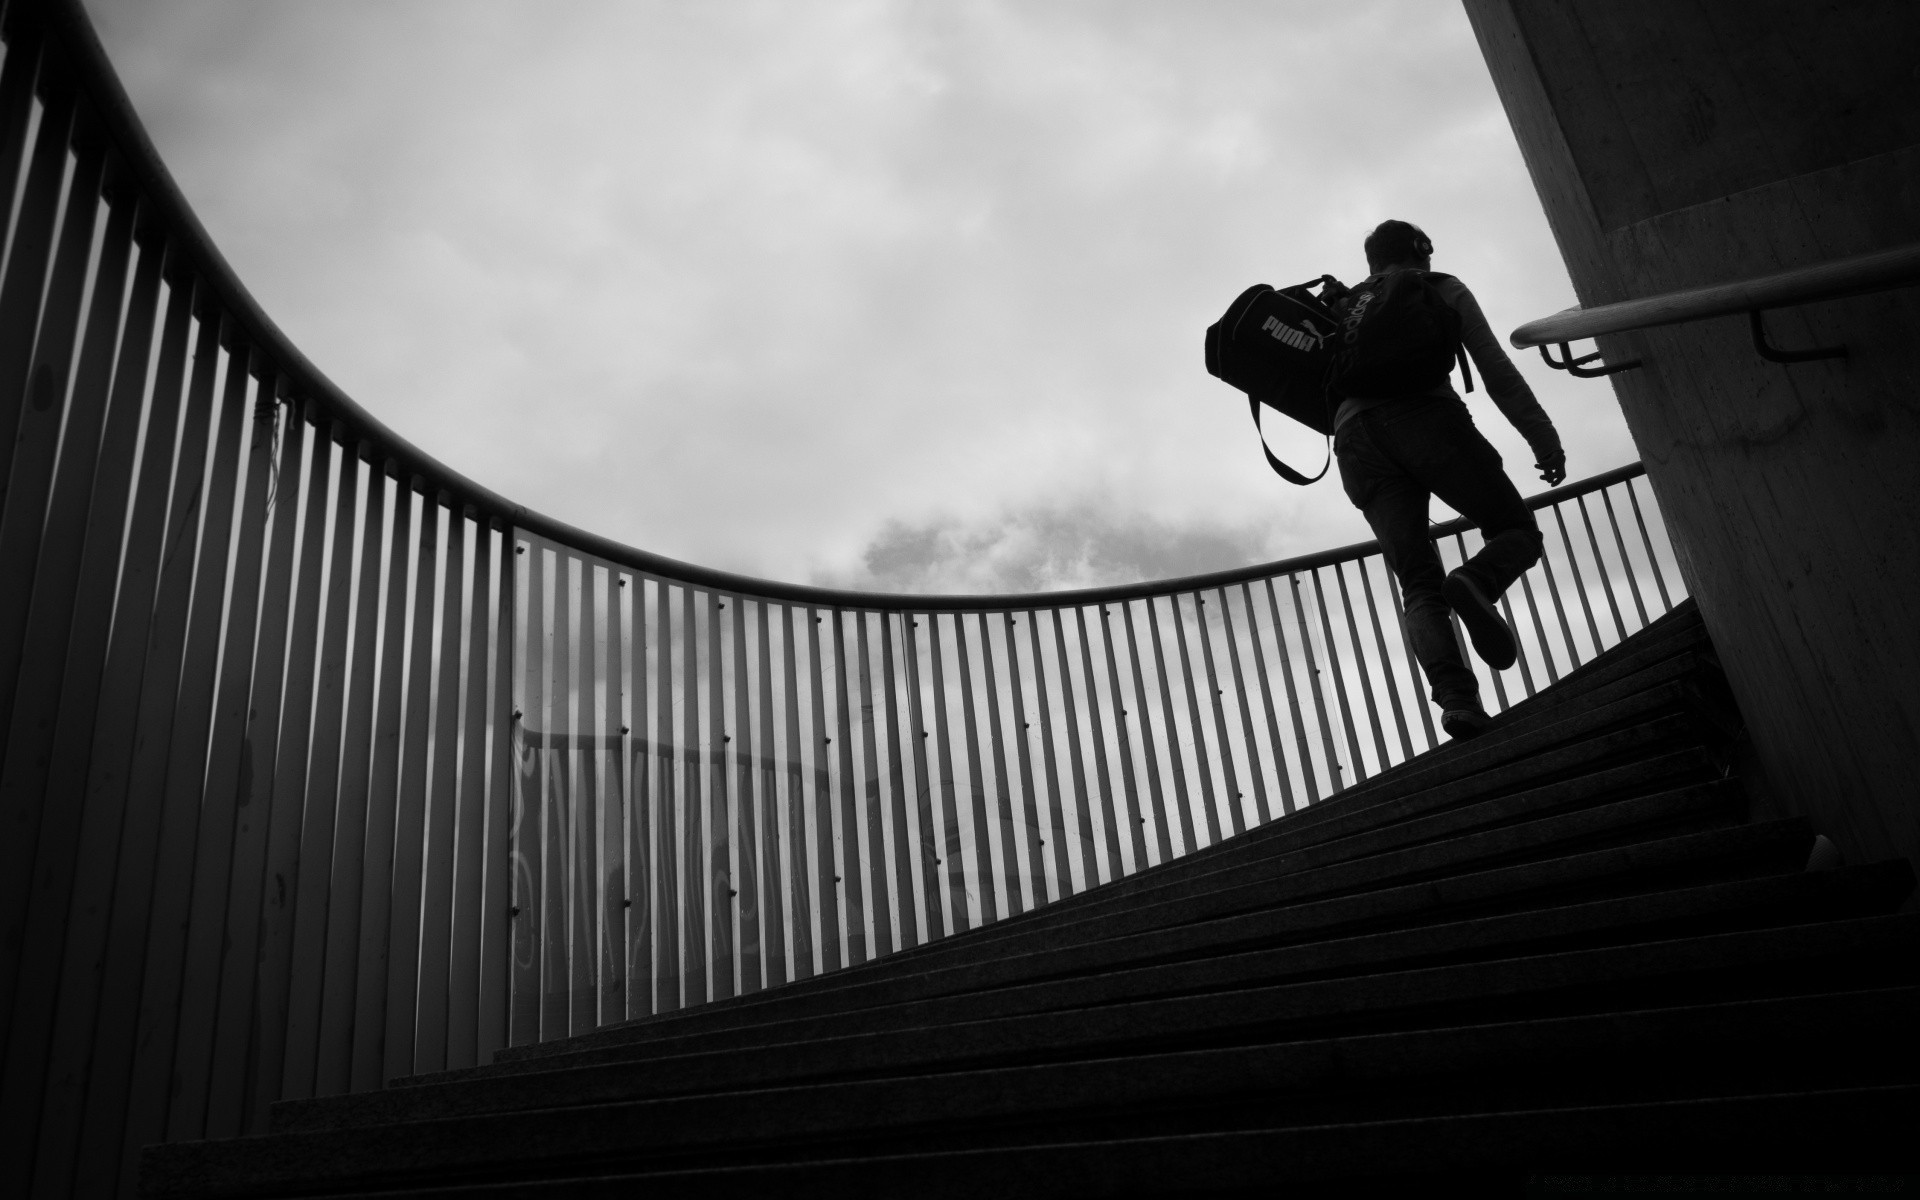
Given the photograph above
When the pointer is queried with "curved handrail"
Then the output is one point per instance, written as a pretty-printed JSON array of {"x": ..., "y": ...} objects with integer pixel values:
[{"x": 1875, "y": 272}]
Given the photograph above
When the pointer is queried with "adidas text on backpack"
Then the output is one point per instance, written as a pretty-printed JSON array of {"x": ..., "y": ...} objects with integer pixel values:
[{"x": 1398, "y": 337}]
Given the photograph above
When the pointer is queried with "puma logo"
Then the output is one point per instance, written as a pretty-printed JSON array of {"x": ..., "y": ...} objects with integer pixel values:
[{"x": 1293, "y": 337}]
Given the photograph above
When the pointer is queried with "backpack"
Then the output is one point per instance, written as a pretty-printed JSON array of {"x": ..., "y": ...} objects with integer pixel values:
[
  {"x": 1398, "y": 336},
  {"x": 1278, "y": 346}
]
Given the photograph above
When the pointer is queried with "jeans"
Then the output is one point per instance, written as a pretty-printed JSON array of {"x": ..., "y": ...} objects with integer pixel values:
[{"x": 1392, "y": 458}]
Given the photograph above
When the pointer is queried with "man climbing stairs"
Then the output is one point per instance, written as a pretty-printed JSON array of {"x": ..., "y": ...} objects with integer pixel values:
[{"x": 1562, "y": 947}]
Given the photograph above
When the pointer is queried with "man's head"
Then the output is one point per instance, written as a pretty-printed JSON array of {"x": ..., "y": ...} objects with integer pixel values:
[{"x": 1398, "y": 244}]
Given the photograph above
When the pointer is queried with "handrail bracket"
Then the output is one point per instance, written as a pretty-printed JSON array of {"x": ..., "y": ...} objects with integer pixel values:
[
  {"x": 1773, "y": 353},
  {"x": 1576, "y": 366}
]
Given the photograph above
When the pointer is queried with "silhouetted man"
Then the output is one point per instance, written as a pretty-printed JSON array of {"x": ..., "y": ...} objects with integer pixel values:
[{"x": 1395, "y": 452}]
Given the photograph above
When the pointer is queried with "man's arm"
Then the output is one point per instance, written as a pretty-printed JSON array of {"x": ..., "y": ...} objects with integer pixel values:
[{"x": 1505, "y": 384}]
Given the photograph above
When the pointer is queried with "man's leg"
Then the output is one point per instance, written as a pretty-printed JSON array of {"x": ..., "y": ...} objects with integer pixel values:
[
  {"x": 1441, "y": 448},
  {"x": 1396, "y": 509}
]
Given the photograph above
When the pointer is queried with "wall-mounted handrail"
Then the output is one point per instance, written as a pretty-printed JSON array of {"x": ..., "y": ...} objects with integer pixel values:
[
  {"x": 321, "y": 763},
  {"x": 1880, "y": 271}
]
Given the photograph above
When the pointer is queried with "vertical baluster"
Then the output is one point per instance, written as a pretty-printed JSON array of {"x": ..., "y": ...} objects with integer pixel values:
[
  {"x": 773, "y": 894},
  {"x": 1334, "y": 782},
  {"x": 155, "y": 1069},
  {"x": 694, "y": 873},
  {"x": 529, "y": 828},
  {"x": 59, "y": 689},
  {"x": 1360, "y": 666},
  {"x": 312, "y": 899},
  {"x": 103, "y": 781},
  {"x": 856, "y": 908},
  {"x": 876, "y": 860},
  {"x": 1359, "y": 761},
  {"x": 1184, "y": 810},
  {"x": 436, "y": 922},
  {"x": 403, "y": 936},
  {"x": 1626, "y": 564},
  {"x": 329, "y": 878},
  {"x": 1202, "y": 757},
  {"x": 1063, "y": 870},
  {"x": 575, "y": 809},
  {"x": 1002, "y": 821},
  {"x": 1600, "y": 568},
  {"x": 1386, "y": 665},
  {"x": 1653, "y": 559},
  {"x": 1539, "y": 630},
  {"x": 583, "y": 905},
  {"x": 747, "y": 820},
  {"x": 1579, "y": 584},
  {"x": 143, "y": 780},
  {"x": 463, "y": 966},
  {"x": 291, "y": 776},
  {"x": 643, "y": 931},
  {"x": 1109, "y": 814},
  {"x": 1135, "y": 821},
  {"x": 1415, "y": 673},
  {"x": 1162, "y": 827},
  {"x": 615, "y": 882},
  {"x": 496, "y": 920},
  {"x": 1266, "y": 698},
  {"x": 927, "y": 849},
  {"x": 719, "y": 810},
  {"x": 799, "y": 905},
  {"x": 826, "y": 887},
  {"x": 1036, "y": 869},
  {"x": 949, "y": 852},
  {"x": 1233, "y": 798},
  {"x": 376, "y": 876},
  {"x": 904, "y": 902},
  {"x": 1560, "y": 611},
  {"x": 29, "y": 459},
  {"x": 666, "y": 800},
  {"x": 1246, "y": 708},
  {"x": 334, "y": 1049},
  {"x": 21, "y": 291},
  {"x": 16, "y": 109},
  {"x": 556, "y": 810}
]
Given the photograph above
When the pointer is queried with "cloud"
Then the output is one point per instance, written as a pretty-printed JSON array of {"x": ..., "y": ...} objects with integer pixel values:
[
  {"x": 757, "y": 284},
  {"x": 1047, "y": 549}
]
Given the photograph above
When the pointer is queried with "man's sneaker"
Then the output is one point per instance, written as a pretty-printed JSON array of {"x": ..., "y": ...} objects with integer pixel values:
[
  {"x": 1492, "y": 640},
  {"x": 1464, "y": 723}
]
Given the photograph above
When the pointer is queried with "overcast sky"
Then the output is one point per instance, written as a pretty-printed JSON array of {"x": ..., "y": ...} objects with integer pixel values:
[{"x": 903, "y": 295}]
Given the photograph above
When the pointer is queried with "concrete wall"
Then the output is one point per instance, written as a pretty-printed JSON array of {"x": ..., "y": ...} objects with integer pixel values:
[{"x": 1676, "y": 143}]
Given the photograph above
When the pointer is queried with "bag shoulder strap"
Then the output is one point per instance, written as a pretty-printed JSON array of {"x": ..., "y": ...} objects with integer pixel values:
[{"x": 1279, "y": 468}]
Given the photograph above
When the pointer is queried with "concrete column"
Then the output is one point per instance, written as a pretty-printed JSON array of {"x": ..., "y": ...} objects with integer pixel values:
[{"x": 1676, "y": 143}]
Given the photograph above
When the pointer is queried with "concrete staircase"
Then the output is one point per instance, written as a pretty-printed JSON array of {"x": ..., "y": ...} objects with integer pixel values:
[{"x": 1559, "y": 948}]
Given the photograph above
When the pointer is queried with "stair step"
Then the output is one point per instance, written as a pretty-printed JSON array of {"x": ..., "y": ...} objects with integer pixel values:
[
  {"x": 1647, "y": 717},
  {"x": 1644, "y": 1056},
  {"x": 1851, "y": 1129},
  {"x": 1856, "y": 891},
  {"x": 1541, "y": 838}
]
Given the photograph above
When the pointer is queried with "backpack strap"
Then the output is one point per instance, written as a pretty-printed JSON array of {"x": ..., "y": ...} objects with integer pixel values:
[{"x": 1279, "y": 468}]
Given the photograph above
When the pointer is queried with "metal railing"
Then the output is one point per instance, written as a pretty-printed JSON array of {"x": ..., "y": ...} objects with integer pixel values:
[
  {"x": 1880, "y": 271},
  {"x": 325, "y": 764},
  {"x": 721, "y": 789}
]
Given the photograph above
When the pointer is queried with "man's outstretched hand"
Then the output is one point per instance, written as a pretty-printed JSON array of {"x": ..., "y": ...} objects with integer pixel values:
[{"x": 1553, "y": 468}]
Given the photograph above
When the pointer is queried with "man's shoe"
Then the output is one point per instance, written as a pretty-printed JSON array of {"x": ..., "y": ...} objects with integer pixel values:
[
  {"x": 1492, "y": 640},
  {"x": 1464, "y": 723}
]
